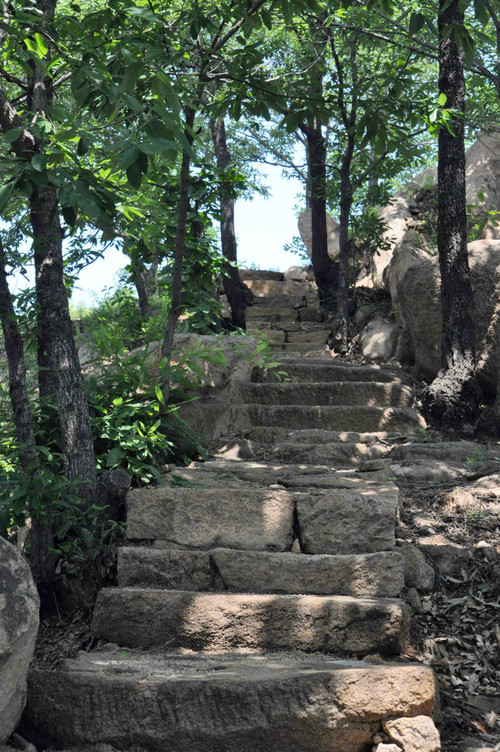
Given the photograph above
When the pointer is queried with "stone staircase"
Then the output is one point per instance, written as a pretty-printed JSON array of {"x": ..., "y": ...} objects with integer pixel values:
[{"x": 257, "y": 603}]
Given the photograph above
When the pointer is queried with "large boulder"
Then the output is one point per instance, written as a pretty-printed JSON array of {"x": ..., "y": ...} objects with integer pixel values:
[
  {"x": 19, "y": 607},
  {"x": 482, "y": 173},
  {"x": 419, "y": 296},
  {"x": 332, "y": 233}
]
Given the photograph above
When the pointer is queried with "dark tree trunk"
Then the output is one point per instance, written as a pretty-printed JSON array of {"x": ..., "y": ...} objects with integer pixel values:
[
  {"x": 57, "y": 344},
  {"x": 325, "y": 270},
  {"x": 454, "y": 396},
  {"x": 238, "y": 294},
  {"x": 142, "y": 290},
  {"x": 346, "y": 194},
  {"x": 43, "y": 562},
  {"x": 180, "y": 242}
]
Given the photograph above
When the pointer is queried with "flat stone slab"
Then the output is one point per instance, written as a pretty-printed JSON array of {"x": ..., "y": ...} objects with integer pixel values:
[
  {"x": 348, "y": 521},
  {"x": 339, "y": 418},
  {"x": 205, "y": 518},
  {"x": 369, "y": 575},
  {"x": 327, "y": 393},
  {"x": 199, "y": 703},
  {"x": 213, "y": 622}
]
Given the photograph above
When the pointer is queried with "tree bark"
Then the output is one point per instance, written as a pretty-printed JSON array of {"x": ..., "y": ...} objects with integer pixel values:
[
  {"x": 325, "y": 270},
  {"x": 180, "y": 242},
  {"x": 238, "y": 294},
  {"x": 58, "y": 348},
  {"x": 454, "y": 396},
  {"x": 346, "y": 197},
  {"x": 43, "y": 562}
]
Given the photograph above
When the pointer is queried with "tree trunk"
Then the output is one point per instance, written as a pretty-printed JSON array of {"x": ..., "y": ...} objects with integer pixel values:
[
  {"x": 180, "y": 241},
  {"x": 325, "y": 270},
  {"x": 454, "y": 396},
  {"x": 346, "y": 193},
  {"x": 57, "y": 343},
  {"x": 238, "y": 294},
  {"x": 141, "y": 287},
  {"x": 43, "y": 562}
]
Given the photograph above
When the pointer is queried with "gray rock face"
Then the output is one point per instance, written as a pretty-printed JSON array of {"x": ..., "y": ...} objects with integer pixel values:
[
  {"x": 332, "y": 233},
  {"x": 227, "y": 622},
  {"x": 378, "y": 339},
  {"x": 223, "y": 703},
  {"x": 419, "y": 295},
  {"x": 246, "y": 519},
  {"x": 414, "y": 734},
  {"x": 418, "y": 572},
  {"x": 346, "y": 522},
  {"x": 19, "y": 606}
]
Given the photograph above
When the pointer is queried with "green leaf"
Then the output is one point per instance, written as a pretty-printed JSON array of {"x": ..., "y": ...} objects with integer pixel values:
[
  {"x": 134, "y": 174},
  {"x": 480, "y": 196},
  {"x": 115, "y": 456},
  {"x": 5, "y": 194},
  {"x": 417, "y": 20},
  {"x": 70, "y": 215},
  {"x": 83, "y": 146},
  {"x": 442, "y": 99},
  {"x": 11, "y": 135},
  {"x": 159, "y": 395},
  {"x": 39, "y": 162}
]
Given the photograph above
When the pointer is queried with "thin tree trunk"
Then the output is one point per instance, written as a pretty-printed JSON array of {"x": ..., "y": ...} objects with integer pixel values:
[
  {"x": 43, "y": 562},
  {"x": 454, "y": 396},
  {"x": 57, "y": 343},
  {"x": 180, "y": 242},
  {"x": 346, "y": 193},
  {"x": 238, "y": 294},
  {"x": 325, "y": 270}
]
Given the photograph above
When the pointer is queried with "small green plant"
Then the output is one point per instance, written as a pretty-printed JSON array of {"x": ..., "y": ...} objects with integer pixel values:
[
  {"x": 473, "y": 462},
  {"x": 423, "y": 436}
]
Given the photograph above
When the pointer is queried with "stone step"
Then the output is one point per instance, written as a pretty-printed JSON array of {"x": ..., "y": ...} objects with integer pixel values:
[
  {"x": 355, "y": 517},
  {"x": 310, "y": 339},
  {"x": 248, "y": 275},
  {"x": 269, "y": 287},
  {"x": 196, "y": 703},
  {"x": 338, "y": 454},
  {"x": 326, "y": 393},
  {"x": 222, "y": 569},
  {"x": 221, "y": 472},
  {"x": 271, "y": 313},
  {"x": 333, "y": 418},
  {"x": 300, "y": 371},
  {"x": 242, "y": 622},
  {"x": 252, "y": 519}
]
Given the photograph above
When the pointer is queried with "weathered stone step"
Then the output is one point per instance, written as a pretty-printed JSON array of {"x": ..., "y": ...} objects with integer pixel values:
[
  {"x": 327, "y": 371},
  {"x": 334, "y": 418},
  {"x": 227, "y": 622},
  {"x": 271, "y": 287},
  {"x": 222, "y": 472},
  {"x": 339, "y": 454},
  {"x": 254, "y": 519},
  {"x": 343, "y": 520},
  {"x": 247, "y": 275},
  {"x": 327, "y": 393},
  {"x": 366, "y": 575},
  {"x": 196, "y": 703},
  {"x": 271, "y": 314}
]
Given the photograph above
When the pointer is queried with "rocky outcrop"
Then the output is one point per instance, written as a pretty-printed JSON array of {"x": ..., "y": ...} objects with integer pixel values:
[
  {"x": 19, "y": 605},
  {"x": 419, "y": 297},
  {"x": 482, "y": 193}
]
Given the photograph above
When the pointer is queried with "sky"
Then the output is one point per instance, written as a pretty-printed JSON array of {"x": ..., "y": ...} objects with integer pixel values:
[{"x": 263, "y": 227}]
